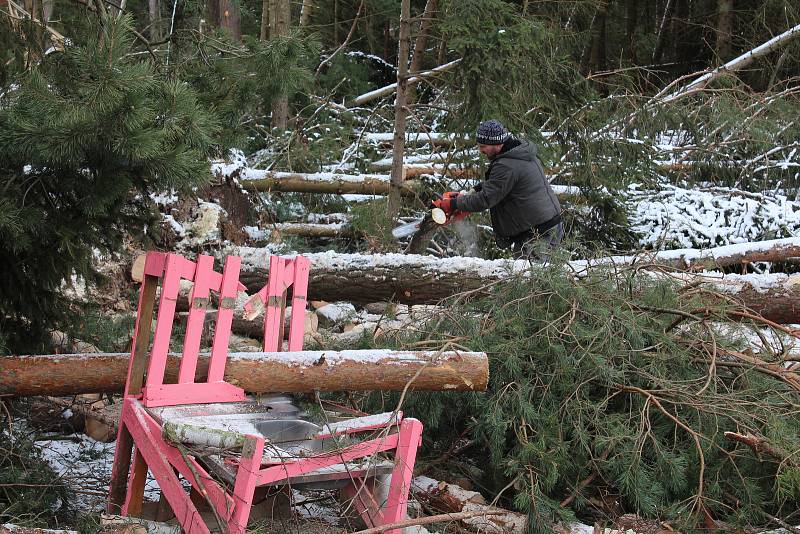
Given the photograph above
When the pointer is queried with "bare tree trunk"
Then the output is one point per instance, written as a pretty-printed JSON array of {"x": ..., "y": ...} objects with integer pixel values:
[
  {"x": 263, "y": 33},
  {"x": 227, "y": 16},
  {"x": 400, "y": 111},
  {"x": 594, "y": 56},
  {"x": 631, "y": 17},
  {"x": 280, "y": 108},
  {"x": 257, "y": 372},
  {"x": 154, "y": 19},
  {"x": 305, "y": 12},
  {"x": 419, "y": 44},
  {"x": 724, "y": 33},
  {"x": 47, "y": 10},
  {"x": 663, "y": 30}
]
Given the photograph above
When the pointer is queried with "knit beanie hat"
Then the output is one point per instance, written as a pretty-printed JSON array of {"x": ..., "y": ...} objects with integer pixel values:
[{"x": 491, "y": 132}]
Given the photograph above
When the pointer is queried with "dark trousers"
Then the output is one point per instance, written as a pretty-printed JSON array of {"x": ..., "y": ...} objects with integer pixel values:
[{"x": 537, "y": 247}]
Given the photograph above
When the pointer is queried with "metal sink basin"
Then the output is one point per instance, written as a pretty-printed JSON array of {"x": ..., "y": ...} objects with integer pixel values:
[{"x": 292, "y": 435}]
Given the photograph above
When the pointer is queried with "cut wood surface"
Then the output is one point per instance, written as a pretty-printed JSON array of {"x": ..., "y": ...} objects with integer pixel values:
[
  {"x": 418, "y": 279},
  {"x": 258, "y": 372}
]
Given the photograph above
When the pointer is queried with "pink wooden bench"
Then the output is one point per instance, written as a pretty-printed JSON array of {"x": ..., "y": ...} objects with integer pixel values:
[{"x": 346, "y": 451}]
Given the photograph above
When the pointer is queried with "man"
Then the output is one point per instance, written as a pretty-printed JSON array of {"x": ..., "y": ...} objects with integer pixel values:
[{"x": 525, "y": 212}]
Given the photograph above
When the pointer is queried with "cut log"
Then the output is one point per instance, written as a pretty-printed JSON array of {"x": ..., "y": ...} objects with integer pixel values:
[
  {"x": 416, "y": 279},
  {"x": 286, "y": 182},
  {"x": 257, "y": 372}
]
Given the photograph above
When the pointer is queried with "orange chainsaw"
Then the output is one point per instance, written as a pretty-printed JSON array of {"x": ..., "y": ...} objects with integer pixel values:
[{"x": 436, "y": 216}]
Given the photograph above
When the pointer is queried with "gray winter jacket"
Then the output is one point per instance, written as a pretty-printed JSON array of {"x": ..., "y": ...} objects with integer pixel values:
[{"x": 515, "y": 191}]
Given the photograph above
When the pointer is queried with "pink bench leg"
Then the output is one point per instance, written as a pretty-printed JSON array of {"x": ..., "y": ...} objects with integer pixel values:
[
  {"x": 406, "y": 455},
  {"x": 246, "y": 479}
]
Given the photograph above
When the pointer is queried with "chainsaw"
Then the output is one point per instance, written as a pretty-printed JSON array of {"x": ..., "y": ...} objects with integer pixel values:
[{"x": 436, "y": 216}]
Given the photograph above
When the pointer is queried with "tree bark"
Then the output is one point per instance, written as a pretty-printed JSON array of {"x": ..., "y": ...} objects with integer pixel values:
[
  {"x": 416, "y": 279},
  {"x": 724, "y": 32},
  {"x": 227, "y": 16},
  {"x": 305, "y": 12},
  {"x": 631, "y": 18},
  {"x": 420, "y": 42},
  {"x": 400, "y": 112},
  {"x": 663, "y": 30},
  {"x": 735, "y": 64},
  {"x": 154, "y": 19},
  {"x": 280, "y": 108},
  {"x": 263, "y": 33},
  {"x": 363, "y": 184},
  {"x": 257, "y": 372}
]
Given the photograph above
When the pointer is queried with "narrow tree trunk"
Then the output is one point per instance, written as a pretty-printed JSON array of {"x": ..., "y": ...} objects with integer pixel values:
[
  {"x": 263, "y": 33},
  {"x": 280, "y": 108},
  {"x": 724, "y": 32},
  {"x": 227, "y": 17},
  {"x": 305, "y": 12},
  {"x": 258, "y": 372},
  {"x": 400, "y": 111},
  {"x": 47, "y": 10},
  {"x": 631, "y": 17},
  {"x": 663, "y": 30},
  {"x": 594, "y": 57},
  {"x": 419, "y": 44},
  {"x": 154, "y": 20}
]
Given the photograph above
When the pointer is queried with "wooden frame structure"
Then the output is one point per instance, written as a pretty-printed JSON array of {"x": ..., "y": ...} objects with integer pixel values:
[{"x": 142, "y": 445}]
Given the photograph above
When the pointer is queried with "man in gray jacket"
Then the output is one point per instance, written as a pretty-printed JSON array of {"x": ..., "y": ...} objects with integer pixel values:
[{"x": 525, "y": 212}]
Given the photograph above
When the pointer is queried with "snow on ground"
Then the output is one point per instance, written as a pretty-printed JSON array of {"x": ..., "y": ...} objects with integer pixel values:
[{"x": 85, "y": 465}]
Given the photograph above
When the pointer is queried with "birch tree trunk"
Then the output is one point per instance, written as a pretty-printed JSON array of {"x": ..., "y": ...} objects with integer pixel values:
[{"x": 400, "y": 111}]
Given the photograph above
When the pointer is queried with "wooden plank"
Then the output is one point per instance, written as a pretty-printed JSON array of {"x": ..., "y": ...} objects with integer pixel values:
[
  {"x": 222, "y": 327},
  {"x": 201, "y": 292}
]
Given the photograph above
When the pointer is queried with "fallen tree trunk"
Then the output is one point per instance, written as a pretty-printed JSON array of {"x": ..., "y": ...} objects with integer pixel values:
[
  {"x": 416, "y": 279},
  {"x": 286, "y": 182},
  {"x": 257, "y": 372}
]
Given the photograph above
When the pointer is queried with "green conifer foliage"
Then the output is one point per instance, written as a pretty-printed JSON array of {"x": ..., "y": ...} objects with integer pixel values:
[
  {"x": 85, "y": 135},
  {"x": 509, "y": 65},
  {"x": 628, "y": 384}
]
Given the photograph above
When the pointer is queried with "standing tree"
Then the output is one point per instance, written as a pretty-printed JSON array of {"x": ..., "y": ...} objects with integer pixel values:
[{"x": 85, "y": 136}]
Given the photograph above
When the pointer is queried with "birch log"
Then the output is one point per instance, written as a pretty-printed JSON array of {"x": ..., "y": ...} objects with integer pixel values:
[{"x": 258, "y": 372}]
